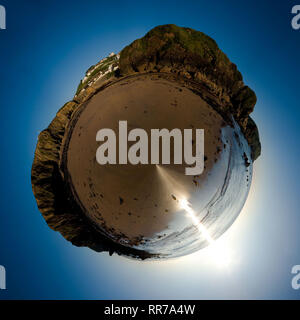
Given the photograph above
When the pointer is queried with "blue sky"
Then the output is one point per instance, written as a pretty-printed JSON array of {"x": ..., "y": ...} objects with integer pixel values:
[{"x": 45, "y": 50}]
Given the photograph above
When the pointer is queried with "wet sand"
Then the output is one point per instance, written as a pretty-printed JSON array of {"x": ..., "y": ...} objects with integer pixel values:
[{"x": 131, "y": 203}]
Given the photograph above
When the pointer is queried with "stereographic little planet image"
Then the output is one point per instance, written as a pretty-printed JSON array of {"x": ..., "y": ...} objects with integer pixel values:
[{"x": 153, "y": 157}]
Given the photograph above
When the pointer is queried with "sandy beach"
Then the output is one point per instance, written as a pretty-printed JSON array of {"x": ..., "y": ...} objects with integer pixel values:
[{"x": 131, "y": 202}]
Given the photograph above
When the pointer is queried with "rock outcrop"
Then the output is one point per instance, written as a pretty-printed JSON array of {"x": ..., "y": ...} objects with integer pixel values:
[{"x": 197, "y": 57}]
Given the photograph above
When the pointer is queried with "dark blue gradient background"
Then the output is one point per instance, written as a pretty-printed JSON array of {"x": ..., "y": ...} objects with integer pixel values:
[{"x": 47, "y": 47}]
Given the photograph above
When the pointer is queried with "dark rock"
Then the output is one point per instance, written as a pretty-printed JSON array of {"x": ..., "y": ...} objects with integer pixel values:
[{"x": 194, "y": 55}]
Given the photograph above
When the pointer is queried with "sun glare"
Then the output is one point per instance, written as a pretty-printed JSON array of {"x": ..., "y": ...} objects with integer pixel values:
[{"x": 218, "y": 251}]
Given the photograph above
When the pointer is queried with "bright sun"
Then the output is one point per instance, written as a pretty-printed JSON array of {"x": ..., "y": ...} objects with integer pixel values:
[{"x": 218, "y": 251}]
